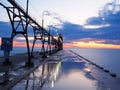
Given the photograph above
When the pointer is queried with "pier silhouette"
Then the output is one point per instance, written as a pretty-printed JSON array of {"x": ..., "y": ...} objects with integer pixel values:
[
  {"x": 50, "y": 67},
  {"x": 21, "y": 21}
]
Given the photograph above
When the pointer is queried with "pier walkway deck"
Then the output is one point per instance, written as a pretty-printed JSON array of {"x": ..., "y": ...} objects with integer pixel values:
[{"x": 64, "y": 70}]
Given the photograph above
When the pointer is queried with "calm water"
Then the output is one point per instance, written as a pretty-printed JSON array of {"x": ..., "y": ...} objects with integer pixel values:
[
  {"x": 65, "y": 71},
  {"x": 70, "y": 73},
  {"x": 17, "y": 50},
  {"x": 108, "y": 58}
]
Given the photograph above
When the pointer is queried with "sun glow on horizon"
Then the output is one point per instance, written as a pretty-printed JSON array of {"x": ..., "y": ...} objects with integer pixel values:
[
  {"x": 81, "y": 44},
  {"x": 23, "y": 44},
  {"x": 97, "y": 45},
  {"x": 91, "y": 44}
]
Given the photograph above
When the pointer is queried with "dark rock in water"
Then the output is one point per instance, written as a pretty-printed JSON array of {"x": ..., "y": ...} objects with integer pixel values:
[
  {"x": 113, "y": 75},
  {"x": 106, "y": 70},
  {"x": 101, "y": 67}
]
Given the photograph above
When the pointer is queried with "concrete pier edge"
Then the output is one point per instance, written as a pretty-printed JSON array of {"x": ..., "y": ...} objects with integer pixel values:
[
  {"x": 20, "y": 77},
  {"x": 100, "y": 67},
  {"x": 30, "y": 70}
]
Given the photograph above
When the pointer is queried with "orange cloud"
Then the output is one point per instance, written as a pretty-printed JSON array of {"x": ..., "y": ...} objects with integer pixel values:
[
  {"x": 23, "y": 44},
  {"x": 82, "y": 44},
  {"x": 68, "y": 45},
  {"x": 91, "y": 44}
]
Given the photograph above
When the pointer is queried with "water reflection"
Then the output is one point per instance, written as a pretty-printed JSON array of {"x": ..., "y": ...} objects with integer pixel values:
[
  {"x": 45, "y": 76},
  {"x": 4, "y": 78},
  {"x": 51, "y": 76},
  {"x": 69, "y": 74}
]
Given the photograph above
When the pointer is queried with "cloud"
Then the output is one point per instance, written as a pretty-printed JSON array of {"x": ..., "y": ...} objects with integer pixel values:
[
  {"x": 5, "y": 29},
  {"x": 111, "y": 18},
  {"x": 71, "y": 31},
  {"x": 74, "y": 32},
  {"x": 110, "y": 33},
  {"x": 102, "y": 29}
]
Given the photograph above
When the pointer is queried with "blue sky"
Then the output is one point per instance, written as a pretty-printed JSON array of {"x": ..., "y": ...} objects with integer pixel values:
[
  {"x": 79, "y": 20},
  {"x": 75, "y": 11}
]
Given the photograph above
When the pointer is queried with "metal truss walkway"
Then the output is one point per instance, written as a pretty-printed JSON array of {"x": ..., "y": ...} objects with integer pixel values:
[{"x": 21, "y": 21}]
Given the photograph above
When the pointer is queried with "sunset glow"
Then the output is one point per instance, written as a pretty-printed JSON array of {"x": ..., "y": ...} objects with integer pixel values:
[
  {"x": 23, "y": 44},
  {"x": 93, "y": 26},
  {"x": 23, "y": 38},
  {"x": 91, "y": 45}
]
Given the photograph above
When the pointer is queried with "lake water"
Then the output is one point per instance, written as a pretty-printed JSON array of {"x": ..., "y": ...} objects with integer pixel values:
[
  {"x": 17, "y": 50},
  {"x": 107, "y": 58},
  {"x": 66, "y": 71}
]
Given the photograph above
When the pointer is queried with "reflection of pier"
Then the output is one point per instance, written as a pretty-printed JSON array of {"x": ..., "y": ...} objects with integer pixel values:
[
  {"x": 64, "y": 70},
  {"x": 21, "y": 22},
  {"x": 44, "y": 71},
  {"x": 45, "y": 74}
]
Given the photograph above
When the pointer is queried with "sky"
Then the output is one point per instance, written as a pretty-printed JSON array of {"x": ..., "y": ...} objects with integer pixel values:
[
  {"x": 83, "y": 23},
  {"x": 75, "y": 11}
]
